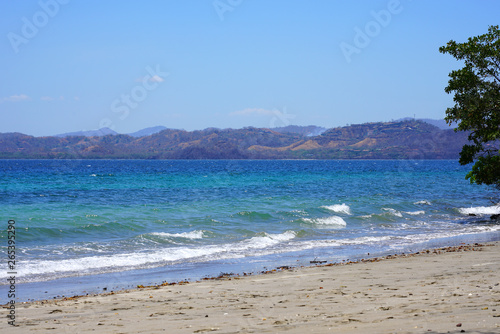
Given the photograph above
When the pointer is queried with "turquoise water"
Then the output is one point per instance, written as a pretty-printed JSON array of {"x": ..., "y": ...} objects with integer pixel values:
[{"x": 82, "y": 225}]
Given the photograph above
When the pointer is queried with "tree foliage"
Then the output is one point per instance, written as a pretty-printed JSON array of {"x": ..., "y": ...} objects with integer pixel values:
[{"x": 477, "y": 103}]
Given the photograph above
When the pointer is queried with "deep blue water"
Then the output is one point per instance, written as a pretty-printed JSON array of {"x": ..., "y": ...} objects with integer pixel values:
[{"x": 86, "y": 224}]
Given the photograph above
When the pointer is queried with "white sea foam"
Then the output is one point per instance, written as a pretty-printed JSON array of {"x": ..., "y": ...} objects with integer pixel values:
[
  {"x": 339, "y": 208},
  {"x": 419, "y": 238},
  {"x": 285, "y": 236},
  {"x": 332, "y": 220},
  {"x": 93, "y": 264},
  {"x": 415, "y": 213},
  {"x": 264, "y": 244},
  {"x": 481, "y": 210},
  {"x": 398, "y": 242},
  {"x": 267, "y": 240},
  {"x": 393, "y": 212},
  {"x": 197, "y": 234},
  {"x": 364, "y": 240},
  {"x": 260, "y": 245},
  {"x": 424, "y": 202}
]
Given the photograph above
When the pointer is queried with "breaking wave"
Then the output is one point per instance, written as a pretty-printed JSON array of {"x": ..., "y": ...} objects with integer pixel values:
[
  {"x": 339, "y": 208},
  {"x": 332, "y": 220},
  {"x": 480, "y": 210}
]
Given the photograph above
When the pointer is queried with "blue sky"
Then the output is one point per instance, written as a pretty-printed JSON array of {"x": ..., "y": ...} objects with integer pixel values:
[{"x": 69, "y": 65}]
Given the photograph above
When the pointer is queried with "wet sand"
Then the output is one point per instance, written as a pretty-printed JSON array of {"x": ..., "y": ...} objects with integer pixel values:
[{"x": 447, "y": 290}]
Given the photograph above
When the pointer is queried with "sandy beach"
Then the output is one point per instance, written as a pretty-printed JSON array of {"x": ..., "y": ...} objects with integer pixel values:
[{"x": 447, "y": 290}]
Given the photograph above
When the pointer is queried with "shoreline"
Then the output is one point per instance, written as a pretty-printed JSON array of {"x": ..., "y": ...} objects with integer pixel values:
[
  {"x": 236, "y": 275},
  {"x": 431, "y": 290}
]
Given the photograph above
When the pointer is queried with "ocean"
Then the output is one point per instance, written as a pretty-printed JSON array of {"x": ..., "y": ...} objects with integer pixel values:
[{"x": 87, "y": 226}]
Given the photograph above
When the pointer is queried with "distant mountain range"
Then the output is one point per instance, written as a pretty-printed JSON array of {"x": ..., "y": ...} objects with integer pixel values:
[
  {"x": 408, "y": 139},
  {"x": 108, "y": 131},
  {"x": 309, "y": 131},
  {"x": 440, "y": 123}
]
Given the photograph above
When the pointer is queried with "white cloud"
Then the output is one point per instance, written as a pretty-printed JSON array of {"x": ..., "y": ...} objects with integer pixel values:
[
  {"x": 17, "y": 98},
  {"x": 50, "y": 98}
]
